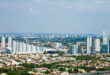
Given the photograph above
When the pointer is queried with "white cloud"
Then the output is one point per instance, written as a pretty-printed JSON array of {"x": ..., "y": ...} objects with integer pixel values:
[
  {"x": 69, "y": 7},
  {"x": 90, "y": 6},
  {"x": 34, "y": 11},
  {"x": 100, "y": 1},
  {"x": 36, "y": 1}
]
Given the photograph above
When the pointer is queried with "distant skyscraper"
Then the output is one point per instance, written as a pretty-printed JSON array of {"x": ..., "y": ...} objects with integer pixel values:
[
  {"x": 104, "y": 49},
  {"x": 28, "y": 48},
  {"x": 97, "y": 45},
  {"x": 109, "y": 45},
  {"x": 105, "y": 45},
  {"x": 24, "y": 47},
  {"x": 105, "y": 37},
  {"x": 10, "y": 43},
  {"x": 20, "y": 47},
  {"x": 17, "y": 47},
  {"x": 3, "y": 42},
  {"x": 34, "y": 49},
  {"x": 14, "y": 47},
  {"x": 89, "y": 44},
  {"x": 73, "y": 49},
  {"x": 93, "y": 46}
]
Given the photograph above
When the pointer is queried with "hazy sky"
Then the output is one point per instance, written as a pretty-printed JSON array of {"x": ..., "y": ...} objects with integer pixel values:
[{"x": 61, "y": 16}]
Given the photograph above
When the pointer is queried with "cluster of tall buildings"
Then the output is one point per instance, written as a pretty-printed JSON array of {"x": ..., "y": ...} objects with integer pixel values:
[
  {"x": 17, "y": 47},
  {"x": 95, "y": 45},
  {"x": 3, "y": 43},
  {"x": 25, "y": 48}
]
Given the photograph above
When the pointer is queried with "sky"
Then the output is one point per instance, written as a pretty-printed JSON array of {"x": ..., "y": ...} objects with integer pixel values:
[{"x": 55, "y": 16}]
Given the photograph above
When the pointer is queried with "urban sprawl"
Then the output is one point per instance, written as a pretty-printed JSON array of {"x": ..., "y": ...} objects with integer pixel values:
[{"x": 54, "y": 54}]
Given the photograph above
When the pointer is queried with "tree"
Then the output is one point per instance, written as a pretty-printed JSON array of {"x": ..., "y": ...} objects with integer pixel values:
[
  {"x": 61, "y": 69},
  {"x": 47, "y": 72},
  {"x": 75, "y": 70},
  {"x": 60, "y": 53},
  {"x": 70, "y": 71}
]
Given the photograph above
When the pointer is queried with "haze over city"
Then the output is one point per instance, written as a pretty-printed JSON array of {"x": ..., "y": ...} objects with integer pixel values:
[
  {"x": 60, "y": 16},
  {"x": 54, "y": 37}
]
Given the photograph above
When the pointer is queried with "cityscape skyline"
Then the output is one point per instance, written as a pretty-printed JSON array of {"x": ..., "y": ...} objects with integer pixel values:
[
  {"x": 85, "y": 55},
  {"x": 94, "y": 44},
  {"x": 73, "y": 16},
  {"x": 54, "y": 37}
]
